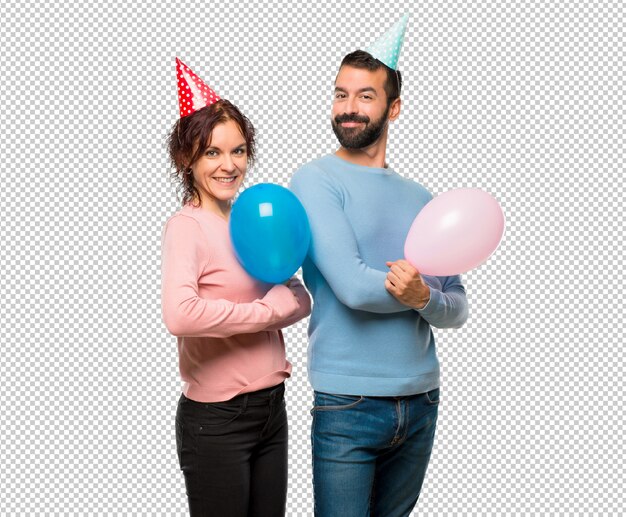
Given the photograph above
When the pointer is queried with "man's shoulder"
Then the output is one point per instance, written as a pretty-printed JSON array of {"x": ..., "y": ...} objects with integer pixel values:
[
  {"x": 414, "y": 186},
  {"x": 316, "y": 165},
  {"x": 403, "y": 181},
  {"x": 313, "y": 170}
]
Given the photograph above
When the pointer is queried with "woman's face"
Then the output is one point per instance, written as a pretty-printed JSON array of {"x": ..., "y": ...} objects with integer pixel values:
[{"x": 219, "y": 172}]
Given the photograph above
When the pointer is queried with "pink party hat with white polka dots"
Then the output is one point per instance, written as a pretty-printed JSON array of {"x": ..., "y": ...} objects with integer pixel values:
[{"x": 193, "y": 94}]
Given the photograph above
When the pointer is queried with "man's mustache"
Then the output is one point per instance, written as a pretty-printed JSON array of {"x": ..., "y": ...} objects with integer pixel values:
[{"x": 351, "y": 118}]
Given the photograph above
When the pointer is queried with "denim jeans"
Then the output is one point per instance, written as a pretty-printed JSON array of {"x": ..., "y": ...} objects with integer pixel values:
[
  {"x": 370, "y": 453},
  {"x": 233, "y": 454}
]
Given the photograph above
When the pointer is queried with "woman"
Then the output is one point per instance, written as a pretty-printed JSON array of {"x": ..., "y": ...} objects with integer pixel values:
[{"x": 231, "y": 424}]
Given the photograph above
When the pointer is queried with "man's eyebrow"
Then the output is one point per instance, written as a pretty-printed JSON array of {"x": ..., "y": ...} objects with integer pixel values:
[{"x": 361, "y": 90}]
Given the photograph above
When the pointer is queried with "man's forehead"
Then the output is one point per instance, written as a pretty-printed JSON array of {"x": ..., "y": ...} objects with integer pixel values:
[{"x": 351, "y": 78}]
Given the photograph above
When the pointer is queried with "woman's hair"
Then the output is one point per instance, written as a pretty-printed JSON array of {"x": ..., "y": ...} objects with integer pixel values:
[{"x": 190, "y": 137}]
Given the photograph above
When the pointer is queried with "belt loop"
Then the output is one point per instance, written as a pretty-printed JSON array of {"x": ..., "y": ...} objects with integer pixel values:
[
  {"x": 272, "y": 396},
  {"x": 277, "y": 392},
  {"x": 244, "y": 404}
]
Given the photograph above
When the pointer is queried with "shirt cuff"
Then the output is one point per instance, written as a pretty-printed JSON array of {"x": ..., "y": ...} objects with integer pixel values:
[{"x": 430, "y": 303}]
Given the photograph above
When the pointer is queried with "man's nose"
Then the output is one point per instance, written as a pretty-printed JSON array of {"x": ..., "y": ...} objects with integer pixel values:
[{"x": 351, "y": 106}]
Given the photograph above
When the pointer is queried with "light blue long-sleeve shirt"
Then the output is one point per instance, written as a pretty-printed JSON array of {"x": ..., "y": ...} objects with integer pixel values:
[{"x": 362, "y": 340}]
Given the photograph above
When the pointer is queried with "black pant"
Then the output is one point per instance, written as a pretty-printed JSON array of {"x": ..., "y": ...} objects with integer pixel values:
[{"x": 234, "y": 454}]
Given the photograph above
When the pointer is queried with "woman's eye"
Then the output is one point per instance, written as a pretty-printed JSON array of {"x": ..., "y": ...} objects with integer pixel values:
[
  {"x": 211, "y": 152},
  {"x": 239, "y": 152}
]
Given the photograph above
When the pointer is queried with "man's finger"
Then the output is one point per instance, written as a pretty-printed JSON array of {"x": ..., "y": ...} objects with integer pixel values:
[
  {"x": 406, "y": 266},
  {"x": 393, "y": 278},
  {"x": 401, "y": 274}
]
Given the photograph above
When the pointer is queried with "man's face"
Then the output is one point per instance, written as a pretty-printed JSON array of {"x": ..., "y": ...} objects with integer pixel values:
[{"x": 360, "y": 111}]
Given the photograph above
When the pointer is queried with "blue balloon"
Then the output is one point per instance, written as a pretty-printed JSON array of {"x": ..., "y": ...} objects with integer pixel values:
[{"x": 270, "y": 232}]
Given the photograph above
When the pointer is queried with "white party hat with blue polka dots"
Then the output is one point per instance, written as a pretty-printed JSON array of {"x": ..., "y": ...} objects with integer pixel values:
[{"x": 387, "y": 48}]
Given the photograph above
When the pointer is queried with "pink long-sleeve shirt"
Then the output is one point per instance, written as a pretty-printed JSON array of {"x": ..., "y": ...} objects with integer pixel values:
[{"x": 226, "y": 322}]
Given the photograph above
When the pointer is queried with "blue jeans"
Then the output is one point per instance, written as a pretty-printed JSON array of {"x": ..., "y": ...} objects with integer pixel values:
[{"x": 370, "y": 453}]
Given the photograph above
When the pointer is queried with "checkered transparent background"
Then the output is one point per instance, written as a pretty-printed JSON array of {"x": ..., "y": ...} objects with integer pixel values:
[{"x": 522, "y": 99}]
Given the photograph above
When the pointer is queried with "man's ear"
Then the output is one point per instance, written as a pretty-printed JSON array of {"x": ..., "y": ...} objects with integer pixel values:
[{"x": 394, "y": 109}]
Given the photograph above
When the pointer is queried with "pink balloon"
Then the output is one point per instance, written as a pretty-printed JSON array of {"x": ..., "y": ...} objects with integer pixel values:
[{"x": 457, "y": 231}]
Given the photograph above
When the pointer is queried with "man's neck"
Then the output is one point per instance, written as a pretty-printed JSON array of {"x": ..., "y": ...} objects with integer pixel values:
[{"x": 372, "y": 156}]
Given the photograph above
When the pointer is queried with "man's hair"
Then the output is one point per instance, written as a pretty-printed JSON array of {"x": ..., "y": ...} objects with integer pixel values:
[{"x": 362, "y": 59}]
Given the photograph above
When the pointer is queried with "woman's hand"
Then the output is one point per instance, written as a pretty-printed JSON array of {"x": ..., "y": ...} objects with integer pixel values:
[{"x": 294, "y": 283}]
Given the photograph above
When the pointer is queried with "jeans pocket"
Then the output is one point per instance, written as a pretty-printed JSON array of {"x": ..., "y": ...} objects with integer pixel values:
[
  {"x": 332, "y": 402},
  {"x": 432, "y": 397},
  {"x": 217, "y": 415}
]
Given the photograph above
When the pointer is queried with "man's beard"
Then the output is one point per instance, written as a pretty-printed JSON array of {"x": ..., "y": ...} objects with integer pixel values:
[{"x": 354, "y": 137}]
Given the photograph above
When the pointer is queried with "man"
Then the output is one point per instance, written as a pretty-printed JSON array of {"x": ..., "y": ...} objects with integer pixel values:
[{"x": 372, "y": 358}]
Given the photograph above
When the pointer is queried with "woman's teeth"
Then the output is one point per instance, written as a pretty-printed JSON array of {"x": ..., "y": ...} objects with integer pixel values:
[{"x": 225, "y": 180}]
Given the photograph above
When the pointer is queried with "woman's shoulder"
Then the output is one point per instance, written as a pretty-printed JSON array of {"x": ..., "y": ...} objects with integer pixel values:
[
  {"x": 194, "y": 224},
  {"x": 183, "y": 232},
  {"x": 183, "y": 218}
]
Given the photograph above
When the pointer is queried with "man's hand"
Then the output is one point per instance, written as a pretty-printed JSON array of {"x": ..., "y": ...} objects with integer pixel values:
[{"x": 406, "y": 284}]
